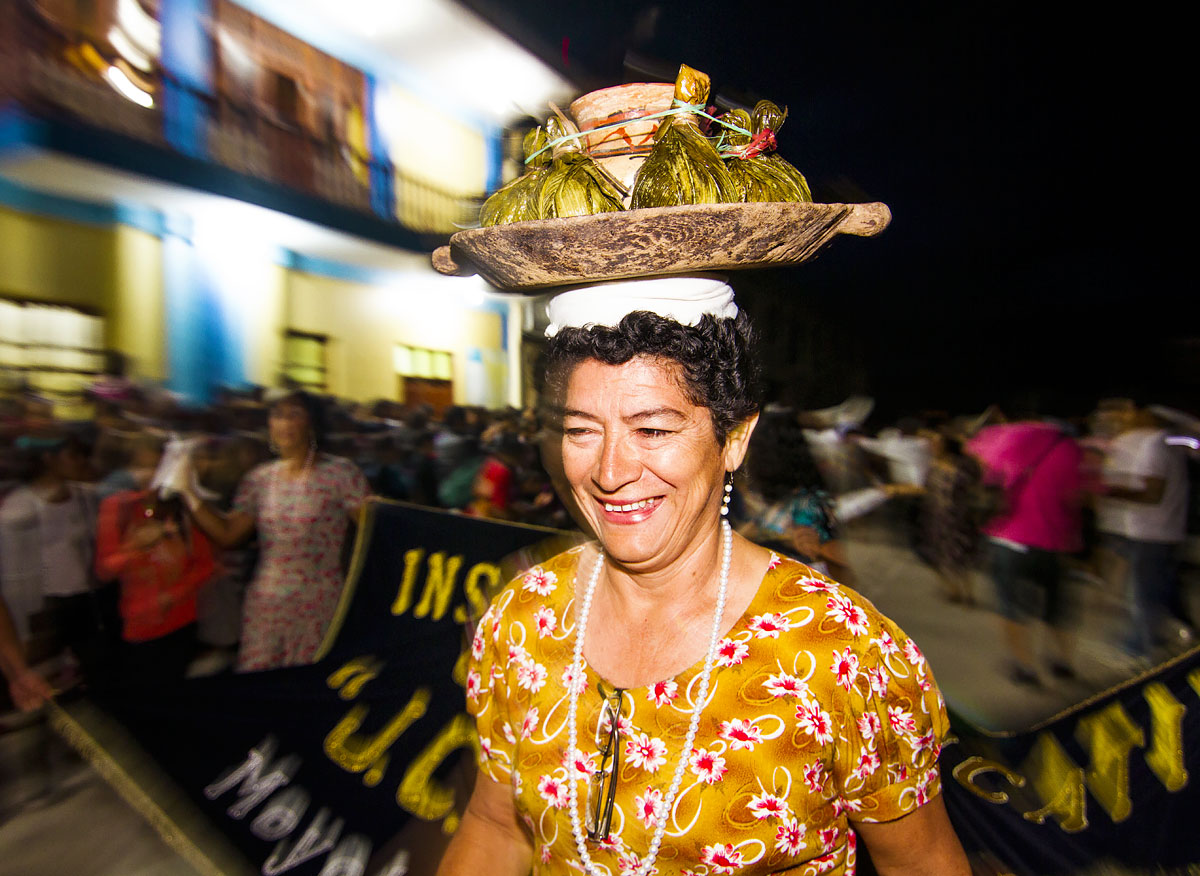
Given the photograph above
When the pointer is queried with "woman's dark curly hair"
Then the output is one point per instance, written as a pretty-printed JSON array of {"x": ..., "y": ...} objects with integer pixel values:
[{"x": 714, "y": 357}]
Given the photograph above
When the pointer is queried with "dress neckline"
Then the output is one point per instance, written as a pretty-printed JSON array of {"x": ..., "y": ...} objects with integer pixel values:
[{"x": 687, "y": 673}]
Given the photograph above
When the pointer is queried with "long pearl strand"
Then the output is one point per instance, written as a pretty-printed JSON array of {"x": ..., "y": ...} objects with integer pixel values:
[{"x": 577, "y": 674}]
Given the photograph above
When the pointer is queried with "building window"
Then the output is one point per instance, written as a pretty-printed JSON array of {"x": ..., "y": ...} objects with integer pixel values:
[
  {"x": 304, "y": 360},
  {"x": 52, "y": 351},
  {"x": 424, "y": 376}
]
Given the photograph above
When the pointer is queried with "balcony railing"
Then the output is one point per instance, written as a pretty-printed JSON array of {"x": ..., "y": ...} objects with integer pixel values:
[{"x": 36, "y": 71}]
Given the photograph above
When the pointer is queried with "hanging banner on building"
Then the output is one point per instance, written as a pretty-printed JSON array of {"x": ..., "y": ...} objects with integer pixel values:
[{"x": 353, "y": 766}]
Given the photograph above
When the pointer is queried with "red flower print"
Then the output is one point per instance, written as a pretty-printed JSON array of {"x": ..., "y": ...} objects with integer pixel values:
[
  {"x": 869, "y": 726},
  {"x": 707, "y": 765},
  {"x": 485, "y": 746},
  {"x": 841, "y": 806},
  {"x": 553, "y": 791},
  {"x": 529, "y": 724},
  {"x": 769, "y": 626},
  {"x": 477, "y": 644},
  {"x": 789, "y": 837},
  {"x": 897, "y": 773},
  {"x": 815, "y": 776},
  {"x": 878, "y": 678},
  {"x": 722, "y": 857},
  {"x": 784, "y": 685},
  {"x": 571, "y": 680},
  {"x": 901, "y": 721},
  {"x": 913, "y": 653},
  {"x": 868, "y": 762},
  {"x": 818, "y": 585},
  {"x": 517, "y": 654},
  {"x": 828, "y": 838},
  {"x": 474, "y": 685},
  {"x": 824, "y": 863},
  {"x": 774, "y": 562},
  {"x": 845, "y": 667},
  {"x": 843, "y": 610},
  {"x": 741, "y": 734},
  {"x": 887, "y": 645},
  {"x": 579, "y": 765},
  {"x": 768, "y": 806},
  {"x": 661, "y": 693},
  {"x": 629, "y": 863},
  {"x": 814, "y": 721},
  {"x": 545, "y": 620},
  {"x": 648, "y": 806},
  {"x": 531, "y": 675},
  {"x": 545, "y": 854},
  {"x": 645, "y": 751},
  {"x": 731, "y": 653},
  {"x": 538, "y": 580}
]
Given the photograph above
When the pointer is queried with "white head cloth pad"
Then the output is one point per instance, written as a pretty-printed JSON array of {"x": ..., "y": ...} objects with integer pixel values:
[{"x": 683, "y": 299}]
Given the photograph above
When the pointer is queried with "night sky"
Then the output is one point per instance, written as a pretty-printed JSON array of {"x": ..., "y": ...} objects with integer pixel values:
[{"x": 1011, "y": 145}]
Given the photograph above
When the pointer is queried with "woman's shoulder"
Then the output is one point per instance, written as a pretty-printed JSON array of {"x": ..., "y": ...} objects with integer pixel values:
[
  {"x": 839, "y": 610},
  {"x": 543, "y": 583}
]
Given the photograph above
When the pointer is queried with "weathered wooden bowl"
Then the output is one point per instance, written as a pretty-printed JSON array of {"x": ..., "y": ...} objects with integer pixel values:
[{"x": 653, "y": 242}]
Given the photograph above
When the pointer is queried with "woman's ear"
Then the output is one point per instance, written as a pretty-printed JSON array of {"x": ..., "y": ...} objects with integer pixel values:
[{"x": 737, "y": 441}]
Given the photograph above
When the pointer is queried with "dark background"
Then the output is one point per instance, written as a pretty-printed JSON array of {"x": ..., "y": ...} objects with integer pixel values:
[{"x": 1027, "y": 154}]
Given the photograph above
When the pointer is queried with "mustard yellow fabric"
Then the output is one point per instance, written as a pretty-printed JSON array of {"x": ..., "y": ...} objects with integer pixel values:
[{"x": 821, "y": 713}]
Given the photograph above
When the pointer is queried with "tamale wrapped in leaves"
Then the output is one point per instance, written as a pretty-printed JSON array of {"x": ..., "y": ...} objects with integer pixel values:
[
  {"x": 574, "y": 185},
  {"x": 684, "y": 167},
  {"x": 768, "y": 119},
  {"x": 517, "y": 201}
]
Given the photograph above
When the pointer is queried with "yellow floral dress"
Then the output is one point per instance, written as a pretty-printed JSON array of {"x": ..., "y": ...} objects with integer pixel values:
[{"x": 820, "y": 713}]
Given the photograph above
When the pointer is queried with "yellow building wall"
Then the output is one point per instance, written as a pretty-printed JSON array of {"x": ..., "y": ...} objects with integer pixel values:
[
  {"x": 136, "y": 319},
  {"x": 57, "y": 261},
  {"x": 364, "y": 323}
]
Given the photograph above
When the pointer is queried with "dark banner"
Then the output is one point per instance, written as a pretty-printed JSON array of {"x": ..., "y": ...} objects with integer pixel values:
[
  {"x": 1108, "y": 782},
  {"x": 353, "y": 765},
  {"x": 348, "y": 765}
]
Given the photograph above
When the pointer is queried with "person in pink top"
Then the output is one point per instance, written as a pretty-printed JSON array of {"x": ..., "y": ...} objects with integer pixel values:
[{"x": 1038, "y": 467}]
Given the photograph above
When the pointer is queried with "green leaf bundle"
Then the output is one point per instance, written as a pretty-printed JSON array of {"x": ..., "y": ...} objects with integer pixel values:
[
  {"x": 684, "y": 167},
  {"x": 767, "y": 120},
  {"x": 516, "y": 201},
  {"x": 574, "y": 185}
]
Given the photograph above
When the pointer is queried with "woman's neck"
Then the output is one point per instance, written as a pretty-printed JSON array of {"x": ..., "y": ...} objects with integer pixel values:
[
  {"x": 691, "y": 578},
  {"x": 295, "y": 460}
]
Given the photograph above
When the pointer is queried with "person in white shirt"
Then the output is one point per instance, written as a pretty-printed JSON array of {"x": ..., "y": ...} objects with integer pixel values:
[{"x": 1143, "y": 516}]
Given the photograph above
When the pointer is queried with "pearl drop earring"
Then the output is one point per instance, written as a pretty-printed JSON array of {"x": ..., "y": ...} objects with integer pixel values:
[{"x": 728, "y": 494}]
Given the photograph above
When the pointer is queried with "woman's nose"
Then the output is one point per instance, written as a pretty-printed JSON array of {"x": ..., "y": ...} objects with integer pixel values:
[{"x": 616, "y": 466}]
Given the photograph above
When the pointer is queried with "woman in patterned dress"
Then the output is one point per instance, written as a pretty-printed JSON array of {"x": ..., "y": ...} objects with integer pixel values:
[
  {"x": 301, "y": 505},
  {"x": 672, "y": 698}
]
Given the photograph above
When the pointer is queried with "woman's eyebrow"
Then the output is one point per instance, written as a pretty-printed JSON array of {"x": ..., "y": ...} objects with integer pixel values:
[{"x": 638, "y": 417}]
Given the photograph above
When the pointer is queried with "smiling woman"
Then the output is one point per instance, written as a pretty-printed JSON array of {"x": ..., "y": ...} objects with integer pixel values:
[{"x": 671, "y": 698}]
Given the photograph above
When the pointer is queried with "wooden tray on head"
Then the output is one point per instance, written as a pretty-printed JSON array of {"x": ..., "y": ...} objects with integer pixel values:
[{"x": 653, "y": 242}]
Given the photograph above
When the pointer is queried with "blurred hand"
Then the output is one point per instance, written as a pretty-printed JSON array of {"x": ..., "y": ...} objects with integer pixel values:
[
  {"x": 806, "y": 541},
  {"x": 143, "y": 535},
  {"x": 29, "y": 690},
  {"x": 896, "y": 490}
]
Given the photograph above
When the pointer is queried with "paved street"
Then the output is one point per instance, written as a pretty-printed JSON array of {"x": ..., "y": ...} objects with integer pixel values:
[{"x": 58, "y": 818}]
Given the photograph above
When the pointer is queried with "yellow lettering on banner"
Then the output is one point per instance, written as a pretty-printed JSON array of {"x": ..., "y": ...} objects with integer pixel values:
[
  {"x": 439, "y": 585},
  {"x": 349, "y": 680},
  {"x": 1058, "y": 783},
  {"x": 412, "y": 562},
  {"x": 1165, "y": 757},
  {"x": 1193, "y": 678},
  {"x": 355, "y": 753},
  {"x": 969, "y": 771},
  {"x": 477, "y": 595},
  {"x": 1109, "y": 736},
  {"x": 423, "y": 795}
]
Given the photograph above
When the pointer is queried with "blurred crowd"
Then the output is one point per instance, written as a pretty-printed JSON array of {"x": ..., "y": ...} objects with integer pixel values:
[
  {"x": 1050, "y": 511},
  {"x": 162, "y": 539}
]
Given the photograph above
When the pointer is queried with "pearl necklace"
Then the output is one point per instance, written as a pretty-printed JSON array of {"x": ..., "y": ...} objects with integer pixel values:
[{"x": 577, "y": 674}]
